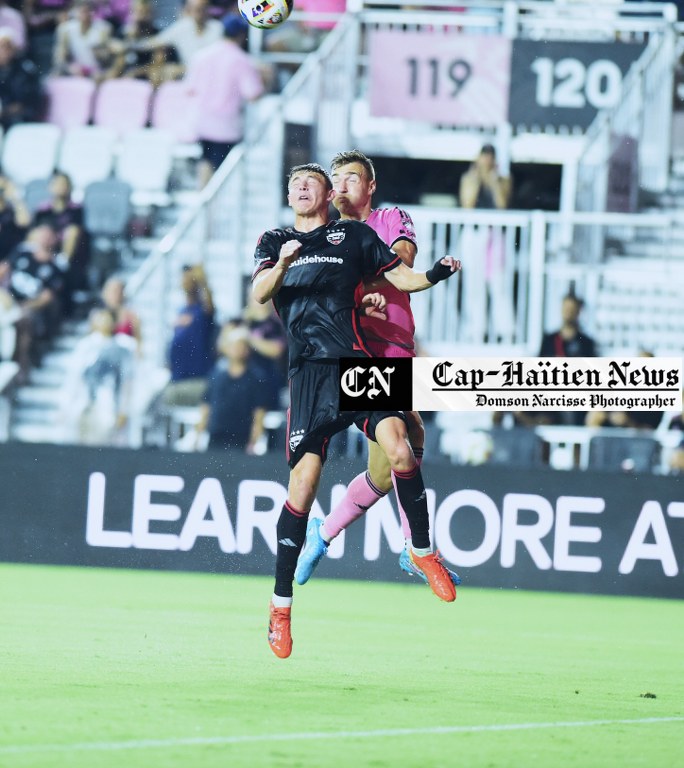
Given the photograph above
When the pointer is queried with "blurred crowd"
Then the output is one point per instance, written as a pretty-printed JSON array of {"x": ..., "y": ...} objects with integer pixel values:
[
  {"x": 50, "y": 267},
  {"x": 150, "y": 39},
  {"x": 44, "y": 256}
]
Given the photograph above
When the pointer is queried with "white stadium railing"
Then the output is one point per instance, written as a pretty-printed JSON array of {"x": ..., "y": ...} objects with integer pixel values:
[{"x": 514, "y": 276}]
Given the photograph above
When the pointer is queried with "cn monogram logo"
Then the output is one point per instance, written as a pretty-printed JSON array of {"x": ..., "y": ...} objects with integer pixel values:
[
  {"x": 375, "y": 384},
  {"x": 358, "y": 381}
]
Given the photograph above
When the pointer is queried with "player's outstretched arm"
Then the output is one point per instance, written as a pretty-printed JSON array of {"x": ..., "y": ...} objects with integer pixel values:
[
  {"x": 408, "y": 281},
  {"x": 268, "y": 281}
]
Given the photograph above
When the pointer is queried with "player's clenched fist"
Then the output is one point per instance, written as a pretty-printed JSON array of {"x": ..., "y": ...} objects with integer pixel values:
[{"x": 288, "y": 253}]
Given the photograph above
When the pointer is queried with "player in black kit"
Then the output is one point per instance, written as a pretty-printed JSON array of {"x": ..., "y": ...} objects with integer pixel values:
[{"x": 311, "y": 273}]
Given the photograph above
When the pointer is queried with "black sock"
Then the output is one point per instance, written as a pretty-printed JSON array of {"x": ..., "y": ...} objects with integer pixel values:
[
  {"x": 291, "y": 532},
  {"x": 411, "y": 490}
]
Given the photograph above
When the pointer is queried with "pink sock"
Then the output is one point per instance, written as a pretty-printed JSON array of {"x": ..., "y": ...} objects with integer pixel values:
[
  {"x": 361, "y": 494},
  {"x": 405, "y": 527}
]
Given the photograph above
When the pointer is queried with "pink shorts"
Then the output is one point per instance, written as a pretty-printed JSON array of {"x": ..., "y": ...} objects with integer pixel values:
[{"x": 389, "y": 350}]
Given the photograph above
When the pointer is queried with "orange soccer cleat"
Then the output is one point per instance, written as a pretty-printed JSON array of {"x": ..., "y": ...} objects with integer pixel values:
[
  {"x": 279, "y": 635},
  {"x": 437, "y": 575}
]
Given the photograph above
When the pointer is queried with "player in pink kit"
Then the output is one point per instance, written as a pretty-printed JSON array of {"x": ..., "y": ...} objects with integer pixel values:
[{"x": 353, "y": 177}]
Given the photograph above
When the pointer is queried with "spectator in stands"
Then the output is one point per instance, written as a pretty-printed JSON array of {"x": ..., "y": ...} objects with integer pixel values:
[
  {"x": 133, "y": 59},
  {"x": 97, "y": 384},
  {"x": 65, "y": 217},
  {"x": 34, "y": 283},
  {"x": 569, "y": 340},
  {"x": 10, "y": 18},
  {"x": 83, "y": 44},
  {"x": 42, "y": 18},
  {"x": 482, "y": 186},
  {"x": 14, "y": 218},
  {"x": 222, "y": 77},
  {"x": 115, "y": 12},
  {"x": 21, "y": 96},
  {"x": 192, "y": 352},
  {"x": 488, "y": 312},
  {"x": 189, "y": 34},
  {"x": 233, "y": 405},
  {"x": 45, "y": 15},
  {"x": 268, "y": 342},
  {"x": 126, "y": 321}
]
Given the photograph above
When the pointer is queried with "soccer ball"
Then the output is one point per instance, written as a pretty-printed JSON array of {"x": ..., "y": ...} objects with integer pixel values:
[{"x": 265, "y": 14}]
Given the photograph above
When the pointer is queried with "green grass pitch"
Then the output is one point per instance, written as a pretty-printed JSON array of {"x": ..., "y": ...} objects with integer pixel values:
[{"x": 103, "y": 668}]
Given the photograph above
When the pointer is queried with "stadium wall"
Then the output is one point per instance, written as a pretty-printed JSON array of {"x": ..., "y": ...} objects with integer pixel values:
[{"x": 503, "y": 528}]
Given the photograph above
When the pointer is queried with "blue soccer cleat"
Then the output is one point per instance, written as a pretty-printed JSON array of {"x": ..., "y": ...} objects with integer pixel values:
[
  {"x": 406, "y": 564},
  {"x": 313, "y": 551}
]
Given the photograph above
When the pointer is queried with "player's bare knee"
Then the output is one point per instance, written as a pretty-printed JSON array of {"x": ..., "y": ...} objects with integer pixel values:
[
  {"x": 400, "y": 455},
  {"x": 303, "y": 485},
  {"x": 302, "y": 493}
]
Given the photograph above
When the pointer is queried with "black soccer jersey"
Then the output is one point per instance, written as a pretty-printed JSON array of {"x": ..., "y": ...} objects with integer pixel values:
[
  {"x": 316, "y": 300},
  {"x": 30, "y": 277}
]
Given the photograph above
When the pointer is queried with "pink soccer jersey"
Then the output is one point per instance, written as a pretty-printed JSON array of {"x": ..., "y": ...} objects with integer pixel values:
[{"x": 392, "y": 337}]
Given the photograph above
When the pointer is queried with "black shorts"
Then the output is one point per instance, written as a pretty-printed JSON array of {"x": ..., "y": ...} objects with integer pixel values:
[
  {"x": 215, "y": 152},
  {"x": 314, "y": 415}
]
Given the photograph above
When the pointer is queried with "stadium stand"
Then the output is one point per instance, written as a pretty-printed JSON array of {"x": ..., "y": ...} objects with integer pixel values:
[
  {"x": 145, "y": 161},
  {"x": 70, "y": 101},
  {"x": 628, "y": 454},
  {"x": 87, "y": 154},
  {"x": 36, "y": 193},
  {"x": 107, "y": 212},
  {"x": 173, "y": 111},
  {"x": 326, "y": 105},
  {"x": 122, "y": 104},
  {"x": 30, "y": 151},
  {"x": 517, "y": 447}
]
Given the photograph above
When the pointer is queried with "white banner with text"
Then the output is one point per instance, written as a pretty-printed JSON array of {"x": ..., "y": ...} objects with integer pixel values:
[{"x": 525, "y": 383}]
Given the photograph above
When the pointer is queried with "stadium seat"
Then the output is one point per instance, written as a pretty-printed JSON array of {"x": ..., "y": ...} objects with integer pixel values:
[
  {"x": 107, "y": 208},
  {"x": 123, "y": 104},
  {"x": 87, "y": 154},
  {"x": 36, "y": 192},
  {"x": 173, "y": 110},
  {"x": 517, "y": 447},
  {"x": 30, "y": 151},
  {"x": 626, "y": 453},
  {"x": 145, "y": 163},
  {"x": 106, "y": 217},
  {"x": 70, "y": 101}
]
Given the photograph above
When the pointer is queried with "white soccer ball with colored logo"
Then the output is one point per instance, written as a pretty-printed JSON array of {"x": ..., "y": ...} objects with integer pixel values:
[{"x": 265, "y": 14}]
